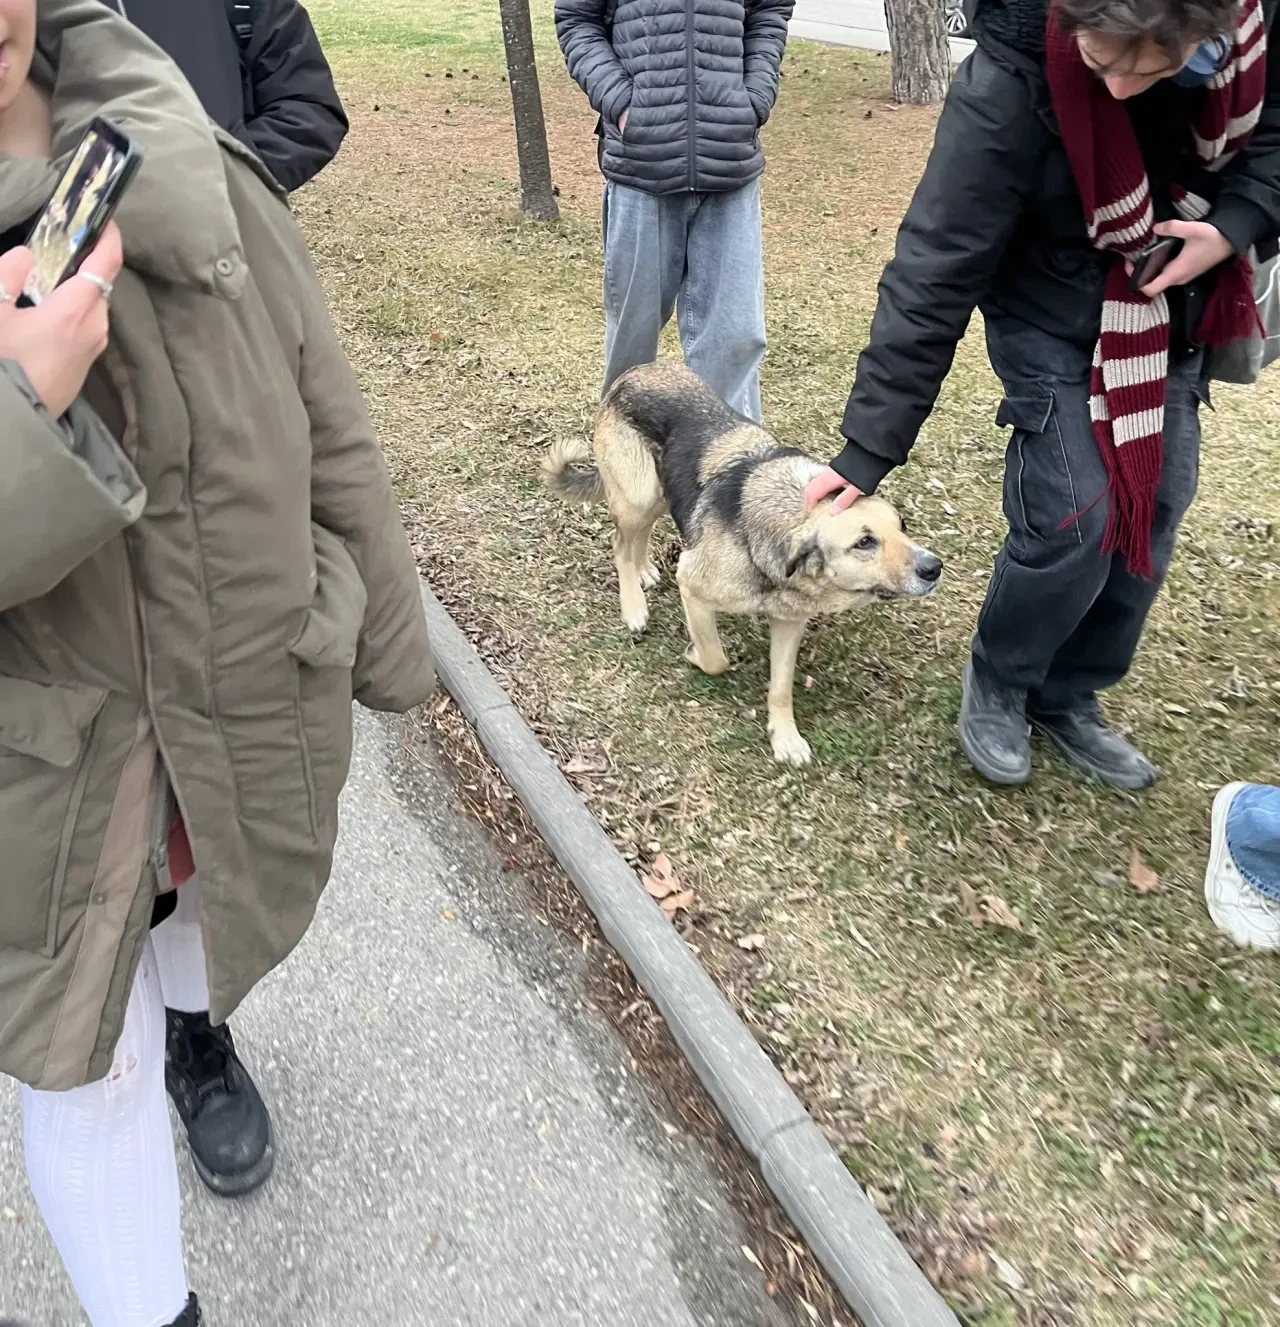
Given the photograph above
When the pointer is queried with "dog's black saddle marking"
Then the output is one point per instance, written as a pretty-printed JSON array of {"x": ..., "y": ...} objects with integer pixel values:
[{"x": 723, "y": 493}]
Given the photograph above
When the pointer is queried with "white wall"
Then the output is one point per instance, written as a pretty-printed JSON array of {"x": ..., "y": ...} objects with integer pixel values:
[{"x": 851, "y": 23}]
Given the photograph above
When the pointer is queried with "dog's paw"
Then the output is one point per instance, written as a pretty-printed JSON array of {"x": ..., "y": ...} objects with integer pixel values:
[
  {"x": 714, "y": 665},
  {"x": 650, "y": 577},
  {"x": 789, "y": 748},
  {"x": 636, "y": 619}
]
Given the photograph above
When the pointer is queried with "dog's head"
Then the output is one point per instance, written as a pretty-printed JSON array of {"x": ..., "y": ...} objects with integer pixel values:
[{"x": 863, "y": 550}]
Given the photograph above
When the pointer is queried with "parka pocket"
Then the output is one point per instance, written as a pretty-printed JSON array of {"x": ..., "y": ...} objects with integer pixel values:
[
  {"x": 325, "y": 654},
  {"x": 46, "y": 751}
]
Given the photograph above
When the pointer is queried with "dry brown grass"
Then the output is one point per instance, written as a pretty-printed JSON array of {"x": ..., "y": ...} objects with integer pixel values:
[{"x": 1091, "y": 1101}]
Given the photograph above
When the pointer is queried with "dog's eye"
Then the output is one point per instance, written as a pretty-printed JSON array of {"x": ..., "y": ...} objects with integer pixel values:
[{"x": 866, "y": 544}]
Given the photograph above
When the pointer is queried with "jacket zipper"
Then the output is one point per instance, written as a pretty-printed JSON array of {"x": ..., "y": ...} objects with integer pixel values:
[
  {"x": 164, "y": 792},
  {"x": 692, "y": 71}
]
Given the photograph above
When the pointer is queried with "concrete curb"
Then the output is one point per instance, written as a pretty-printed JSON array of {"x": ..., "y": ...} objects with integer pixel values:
[{"x": 872, "y": 1270}]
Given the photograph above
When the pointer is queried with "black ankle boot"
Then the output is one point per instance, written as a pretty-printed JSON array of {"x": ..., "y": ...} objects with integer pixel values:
[
  {"x": 1087, "y": 743},
  {"x": 226, "y": 1121},
  {"x": 190, "y": 1316},
  {"x": 993, "y": 729}
]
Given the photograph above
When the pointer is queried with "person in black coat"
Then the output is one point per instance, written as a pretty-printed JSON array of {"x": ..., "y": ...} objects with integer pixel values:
[
  {"x": 259, "y": 72},
  {"x": 1073, "y": 141}
]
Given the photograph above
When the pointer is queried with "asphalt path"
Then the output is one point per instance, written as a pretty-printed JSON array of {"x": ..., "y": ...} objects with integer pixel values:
[{"x": 461, "y": 1139}]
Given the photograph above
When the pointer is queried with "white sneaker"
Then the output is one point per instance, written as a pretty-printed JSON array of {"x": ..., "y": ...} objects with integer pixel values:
[{"x": 1239, "y": 910}]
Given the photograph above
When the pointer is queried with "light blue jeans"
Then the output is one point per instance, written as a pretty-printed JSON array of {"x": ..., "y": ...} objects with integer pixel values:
[
  {"x": 1253, "y": 837},
  {"x": 700, "y": 255}
]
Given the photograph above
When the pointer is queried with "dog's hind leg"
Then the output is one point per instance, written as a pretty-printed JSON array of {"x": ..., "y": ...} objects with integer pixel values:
[
  {"x": 784, "y": 648},
  {"x": 636, "y": 501},
  {"x": 631, "y": 531},
  {"x": 705, "y": 650}
]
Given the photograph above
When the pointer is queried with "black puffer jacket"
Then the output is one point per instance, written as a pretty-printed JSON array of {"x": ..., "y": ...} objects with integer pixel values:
[
  {"x": 997, "y": 223},
  {"x": 276, "y": 95},
  {"x": 697, "y": 79}
]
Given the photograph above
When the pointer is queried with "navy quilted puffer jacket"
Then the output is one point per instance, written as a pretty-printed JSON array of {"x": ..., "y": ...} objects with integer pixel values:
[{"x": 697, "y": 79}]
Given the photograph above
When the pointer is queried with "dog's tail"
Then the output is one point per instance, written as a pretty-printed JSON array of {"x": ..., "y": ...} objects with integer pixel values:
[{"x": 566, "y": 471}]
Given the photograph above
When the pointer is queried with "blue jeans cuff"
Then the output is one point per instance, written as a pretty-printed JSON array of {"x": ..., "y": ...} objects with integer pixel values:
[{"x": 1253, "y": 837}]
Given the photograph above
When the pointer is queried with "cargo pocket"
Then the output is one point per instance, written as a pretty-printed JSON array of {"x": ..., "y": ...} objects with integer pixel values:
[
  {"x": 1040, "y": 498},
  {"x": 46, "y": 748},
  {"x": 325, "y": 654}
]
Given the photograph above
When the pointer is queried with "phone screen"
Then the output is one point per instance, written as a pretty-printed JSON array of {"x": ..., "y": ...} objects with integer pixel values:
[{"x": 82, "y": 204}]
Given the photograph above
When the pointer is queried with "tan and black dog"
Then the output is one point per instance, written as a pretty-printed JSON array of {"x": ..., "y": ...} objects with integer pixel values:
[{"x": 665, "y": 441}]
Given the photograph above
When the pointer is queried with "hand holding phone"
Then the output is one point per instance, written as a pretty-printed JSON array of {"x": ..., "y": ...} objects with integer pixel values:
[
  {"x": 56, "y": 343},
  {"x": 1153, "y": 260},
  {"x": 83, "y": 203}
]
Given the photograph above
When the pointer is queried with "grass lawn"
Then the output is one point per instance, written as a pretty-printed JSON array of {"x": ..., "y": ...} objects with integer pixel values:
[{"x": 1070, "y": 1122}]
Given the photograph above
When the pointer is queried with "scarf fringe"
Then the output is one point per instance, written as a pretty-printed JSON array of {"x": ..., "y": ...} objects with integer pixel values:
[
  {"x": 1128, "y": 532},
  {"x": 1232, "y": 314}
]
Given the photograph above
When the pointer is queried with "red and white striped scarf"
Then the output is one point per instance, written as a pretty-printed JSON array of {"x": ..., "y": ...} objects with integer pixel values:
[{"x": 1131, "y": 360}]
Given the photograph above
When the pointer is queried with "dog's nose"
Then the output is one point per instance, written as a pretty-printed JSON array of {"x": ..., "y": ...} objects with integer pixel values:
[{"x": 928, "y": 566}]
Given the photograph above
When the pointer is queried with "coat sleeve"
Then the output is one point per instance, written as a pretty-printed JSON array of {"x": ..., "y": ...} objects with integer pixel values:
[
  {"x": 984, "y": 162},
  {"x": 298, "y": 121},
  {"x": 66, "y": 488},
  {"x": 590, "y": 57},
  {"x": 352, "y": 496},
  {"x": 1247, "y": 211},
  {"x": 764, "y": 39}
]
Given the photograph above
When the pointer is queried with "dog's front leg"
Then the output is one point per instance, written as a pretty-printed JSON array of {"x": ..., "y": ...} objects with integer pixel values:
[
  {"x": 784, "y": 648},
  {"x": 705, "y": 650}
]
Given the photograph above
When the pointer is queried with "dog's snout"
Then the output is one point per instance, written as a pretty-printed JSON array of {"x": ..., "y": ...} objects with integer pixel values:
[{"x": 928, "y": 566}]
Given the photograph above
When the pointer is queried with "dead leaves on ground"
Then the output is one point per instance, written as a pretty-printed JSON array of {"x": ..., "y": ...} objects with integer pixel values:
[
  {"x": 1141, "y": 876},
  {"x": 988, "y": 909},
  {"x": 992, "y": 910},
  {"x": 662, "y": 884}
]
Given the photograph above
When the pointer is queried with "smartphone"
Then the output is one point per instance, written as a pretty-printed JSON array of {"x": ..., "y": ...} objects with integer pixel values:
[
  {"x": 84, "y": 201},
  {"x": 1153, "y": 260}
]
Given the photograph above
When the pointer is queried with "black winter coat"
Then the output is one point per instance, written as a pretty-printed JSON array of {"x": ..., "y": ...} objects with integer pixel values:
[
  {"x": 697, "y": 79},
  {"x": 277, "y": 95},
  {"x": 997, "y": 223}
]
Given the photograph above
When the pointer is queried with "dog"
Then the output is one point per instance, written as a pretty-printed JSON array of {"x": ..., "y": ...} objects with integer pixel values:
[{"x": 665, "y": 441}]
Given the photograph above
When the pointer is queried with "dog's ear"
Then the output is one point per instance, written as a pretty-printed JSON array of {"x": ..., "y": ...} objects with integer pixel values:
[{"x": 808, "y": 557}]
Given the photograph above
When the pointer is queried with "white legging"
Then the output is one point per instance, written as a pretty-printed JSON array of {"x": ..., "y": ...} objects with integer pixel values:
[{"x": 100, "y": 1158}]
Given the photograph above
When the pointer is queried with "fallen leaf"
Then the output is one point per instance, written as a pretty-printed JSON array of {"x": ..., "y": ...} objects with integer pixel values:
[
  {"x": 750, "y": 1254},
  {"x": 947, "y": 1136},
  {"x": 674, "y": 903},
  {"x": 900, "y": 842},
  {"x": 999, "y": 913},
  {"x": 751, "y": 943},
  {"x": 969, "y": 902},
  {"x": 1007, "y": 1274},
  {"x": 1141, "y": 876},
  {"x": 661, "y": 879},
  {"x": 587, "y": 765}
]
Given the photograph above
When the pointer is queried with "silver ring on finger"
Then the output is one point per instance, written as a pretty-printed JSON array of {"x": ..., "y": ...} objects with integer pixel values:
[
  {"x": 105, "y": 287},
  {"x": 5, "y": 297}
]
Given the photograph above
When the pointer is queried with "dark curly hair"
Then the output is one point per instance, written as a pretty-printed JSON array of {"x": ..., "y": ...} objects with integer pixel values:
[{"x": 1171, "y": 24}]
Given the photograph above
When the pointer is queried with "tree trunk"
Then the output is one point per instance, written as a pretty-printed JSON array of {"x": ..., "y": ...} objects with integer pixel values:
[
  {"x": 920, "y": 49},
  {"x": 537, "y": 198}
]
